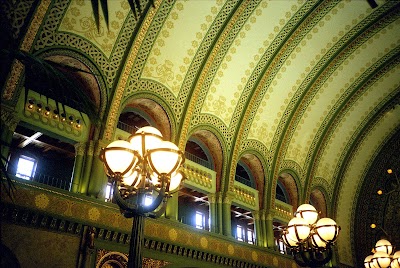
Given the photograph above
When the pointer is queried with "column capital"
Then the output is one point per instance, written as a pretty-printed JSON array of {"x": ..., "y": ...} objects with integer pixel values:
[
  {"x": 212, "y": 198},
  {"x": 228, "y": 197},
  {"x": 256, "y": 214},
  {"x": 80, "y": 148},
  {"x": 9, "y": 117}
]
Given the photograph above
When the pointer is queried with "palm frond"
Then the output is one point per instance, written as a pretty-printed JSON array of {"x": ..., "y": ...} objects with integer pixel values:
[{"x": 56, "y": 81}]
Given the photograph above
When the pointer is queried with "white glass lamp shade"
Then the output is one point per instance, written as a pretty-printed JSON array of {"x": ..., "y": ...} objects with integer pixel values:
[
  {"x": 298, "y": 229},
  {"x": 165, "y": 159},
  {"x": 368, "y": 263},
  {"x": 384, "y": 245},
  {"x": 317, "y": 241},
  {"x": 151, "y": 136},
  {"x": 133, "y": 179},
  {"x": 327, "y": 229},
  {"x": 381, "y": 259},
  {"x": 307, "y": 212},
  {"x": 175, "y": 181},
  {"x": 287, "y": 239},
  {"x": 120, "y": 158},
  {"x": 395, "y": 260}
]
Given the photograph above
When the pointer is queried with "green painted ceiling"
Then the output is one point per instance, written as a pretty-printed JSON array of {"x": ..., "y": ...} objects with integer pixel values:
[{"x": 307, "y": 86}]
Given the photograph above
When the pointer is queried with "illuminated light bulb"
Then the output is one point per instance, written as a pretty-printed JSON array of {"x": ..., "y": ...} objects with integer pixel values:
[
  {"x": 380, "y": 192},
  {"x": 389, "y": 171},
  {"x": 30, "y": 106},
  {"x": 373, "y": 225}
]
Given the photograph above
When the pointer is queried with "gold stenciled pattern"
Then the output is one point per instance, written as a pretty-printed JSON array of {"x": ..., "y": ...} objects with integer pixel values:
[
  {"x": 161, "y": 65},
  {"x": 79, "y": 20},
  {"x": 222, "y": 103}
]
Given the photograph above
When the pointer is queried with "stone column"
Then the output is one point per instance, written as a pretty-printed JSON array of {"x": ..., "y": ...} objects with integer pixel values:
[
  {"x": 171, "y": 211},
  {"x": 257, "y": 227},
  {"x": 78, "y": 165},
  {"x": 219, "y": 213},
  {"x": 270, "y": 230},
  {"x": 212, "y": 198},
  {"x": 226, "y": 214},
  {"x": 264, "y": 229},
  {"x": 98, "y": 179},
  {"x": 87, "y": 167}
]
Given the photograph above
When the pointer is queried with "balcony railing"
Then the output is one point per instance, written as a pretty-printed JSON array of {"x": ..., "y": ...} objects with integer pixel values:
[
  {"x": 52, "y": 181},
  {"x": 244, "y": 181},
  {"x": 198, "y": 160},
  {"x": 127, "y": 128}
]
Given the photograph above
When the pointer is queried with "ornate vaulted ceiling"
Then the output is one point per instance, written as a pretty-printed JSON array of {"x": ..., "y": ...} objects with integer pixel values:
[{"x": 307, "y": 86}]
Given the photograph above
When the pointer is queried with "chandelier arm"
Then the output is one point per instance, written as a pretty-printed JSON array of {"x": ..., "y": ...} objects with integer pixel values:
[
  {"x": 300, "y": 257},
  {"x": 122, "y": 203},
  {"x": 326, "y": 257},
  {"x": 156, "y": 203},
  {"x": 159, "y": 210}
]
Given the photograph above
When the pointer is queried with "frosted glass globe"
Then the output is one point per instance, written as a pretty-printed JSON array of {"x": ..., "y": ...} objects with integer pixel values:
[
  {"x": 152, "y": 138},
  {"x": 298, "y": 229},
  {"x": 327, "y": 229},
  {"x": 307, "y": 212},
  {"x": 165, "y": 159},
  {"x": 119, "y": 157},
  {"x": 384, "y": 245},
  {"x": 381, "y": 259}
]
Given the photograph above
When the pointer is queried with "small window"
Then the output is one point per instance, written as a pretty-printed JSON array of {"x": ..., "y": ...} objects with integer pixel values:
[
  {"x": 239, "y": 233},
  {"x": 26, "y": 167},
  {"x": 200, "y": 220},
  {"x": 250, "y": 236},
  {"x": 109, "y": 192}
]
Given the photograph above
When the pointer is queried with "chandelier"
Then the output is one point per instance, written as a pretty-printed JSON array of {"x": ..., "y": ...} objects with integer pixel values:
[
  {"x": 144, "y": 166},
  {"x": 382, "y": 255},
  {"x": 310, "y": 239}
]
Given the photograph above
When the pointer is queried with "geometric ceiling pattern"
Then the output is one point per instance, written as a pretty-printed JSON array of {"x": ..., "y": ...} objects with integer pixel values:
[{"x": 310, "y": 87}]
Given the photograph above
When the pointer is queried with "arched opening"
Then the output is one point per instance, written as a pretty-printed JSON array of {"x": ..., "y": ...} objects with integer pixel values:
[
  {"x": 317, "y": 199},
  {"x": 142, "y": 112},
  {"x": 198, "y": 152},
  {"x": 40, "y": 156},
  {"x": 287, "y": 186}
]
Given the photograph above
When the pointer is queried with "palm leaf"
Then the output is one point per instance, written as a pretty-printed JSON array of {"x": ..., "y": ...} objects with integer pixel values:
[
  {"x": 56, "y": 81},
  {"x": 95, "y": 8}
]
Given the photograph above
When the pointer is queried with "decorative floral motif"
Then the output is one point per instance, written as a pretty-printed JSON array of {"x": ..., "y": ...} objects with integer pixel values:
[
  {"x": 79, "y": 20},
  {"x": 204, "y": 242},
  {"x": 231, "y": 250},
  {"x": 42, "y": 201},
  {"x": 173, "y": 234},
  {"x": 94, "y": 214}
]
